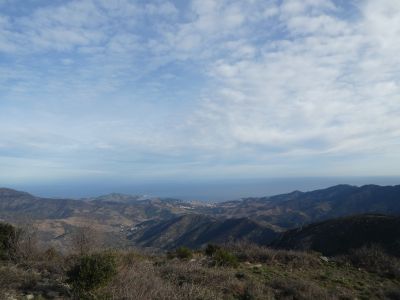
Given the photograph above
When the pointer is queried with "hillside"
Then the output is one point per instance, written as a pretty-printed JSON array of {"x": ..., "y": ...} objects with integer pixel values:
[
  {"x": 135, "y": 208},
  {"x": 195, "y": 231},
  {"x": 117, "y": 216},
  {"x": 16, "y": 205},
  {"x": 339, "y": 236},
  {"x": 110, "y": 215},
  {"x": 298, "y": 208},
  {"x": 234, "y": 267},
  {"x": 231, "y": 272}
]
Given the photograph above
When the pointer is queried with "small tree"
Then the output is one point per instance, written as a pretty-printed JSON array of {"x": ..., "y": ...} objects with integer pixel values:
[
  {"x": 9, "y": 241},
  {"x": 84, "y": 240},
  {"x": 28, "y": 244}
]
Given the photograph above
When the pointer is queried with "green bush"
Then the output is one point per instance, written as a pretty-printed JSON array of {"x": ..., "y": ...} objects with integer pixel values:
[
  {"x": 9, "y": 239},
  {"x": 184, "y": 253},
  {"x": 225, "y": 258},
  {"x": 92, "y": 272},
  {"x": 211, "y": 249}
]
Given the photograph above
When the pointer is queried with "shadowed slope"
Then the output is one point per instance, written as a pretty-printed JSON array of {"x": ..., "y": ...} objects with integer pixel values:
[
  {"x": 198, "y": 230},
  {"x": 338, "y": 236}
]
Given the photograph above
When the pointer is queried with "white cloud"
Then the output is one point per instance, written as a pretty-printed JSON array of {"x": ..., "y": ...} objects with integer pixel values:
[
  {"x": 67, "y": 26},
  {"x": 281, "y": 82},
  {"x": 298, "y": 7},
  {"x": 334, "y": 90},
  {"x": 165, "y": 8}
]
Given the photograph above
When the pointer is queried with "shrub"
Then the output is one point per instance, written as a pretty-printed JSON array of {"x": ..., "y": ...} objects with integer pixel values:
[
  {"x": 375, "y": 259},
  {"x": 92, "y": 272},
  {"x": 129, "y": 258},
  {"x": 192, "y": 280},
  {"x": 172, "y": 280},
  {"x": 211, "y": 249},
  {"x": 139, "y": 280},
  {"x": 9, "y": 239},
  {"x": 28, "y": 250},
  {"x": 258, "y": 254},
  {"x": 12, "y": 277},
  {"x": 298, "y": 289},
  {"x": 51, "y": 254},
  {"x": 224, "y": 258},
  {"x": 184, "y": 253}
]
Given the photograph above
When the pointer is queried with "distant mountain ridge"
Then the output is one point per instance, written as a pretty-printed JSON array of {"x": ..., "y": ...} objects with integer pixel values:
[
  {"x": 115, "y": 197},
  {"x": 127, "y": 198},
  {"x": 109, "y": 215},
  {"x": 255, "y": 219},
  {"x": 7, "y": 193},
  {"x": 298, "y": 208},
  {"x": 16, "y": 204},
  {"x": 139, "y": 208}
]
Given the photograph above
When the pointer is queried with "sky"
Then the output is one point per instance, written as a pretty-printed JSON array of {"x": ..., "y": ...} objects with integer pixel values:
[{"x": 195, "y": 90}]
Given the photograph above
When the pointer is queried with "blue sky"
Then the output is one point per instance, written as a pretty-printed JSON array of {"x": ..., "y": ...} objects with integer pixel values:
[{"x": 198, "y": 89}]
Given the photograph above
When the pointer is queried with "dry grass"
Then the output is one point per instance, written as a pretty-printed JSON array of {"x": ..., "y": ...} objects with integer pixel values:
[
  {"x": 146, "y": 279},
  {"x": 375, "y": 259},
  {"x": 141, "y": 279},
  {"x": 12, "y": 277},
  {"x": 258, "y": 254},
  {"x": 261, "y": 274},
  {"x": 299, "y": 289}
]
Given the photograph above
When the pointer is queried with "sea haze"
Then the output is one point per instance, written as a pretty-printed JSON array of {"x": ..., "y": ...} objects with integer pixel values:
[{"x": 217, "y": 190}]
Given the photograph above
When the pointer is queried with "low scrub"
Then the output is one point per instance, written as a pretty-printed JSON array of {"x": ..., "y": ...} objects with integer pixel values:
[
  {"x": 299, "y": 289},
  {"x": 256, "y": 254},
  {"x": 92, "y": 272},
  {"x": 375, "y": 259},
  {"x": 211, "y": 249},
  {"x": 221, "y": 256},
  {"x": 181, "y": 253},
  {"x": 236, "y": 271},
  {"x": 173, "y": 280},
  {"x": 224, "y": 258}
]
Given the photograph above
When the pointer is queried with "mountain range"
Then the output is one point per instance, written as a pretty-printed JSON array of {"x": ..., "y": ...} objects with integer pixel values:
[
  {"x": 298, "y": 208},
  {"x": 167, "y": 223}
]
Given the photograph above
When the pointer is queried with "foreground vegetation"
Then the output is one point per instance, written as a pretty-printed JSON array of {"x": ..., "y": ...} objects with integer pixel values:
[{"x": 232, "y": 271}]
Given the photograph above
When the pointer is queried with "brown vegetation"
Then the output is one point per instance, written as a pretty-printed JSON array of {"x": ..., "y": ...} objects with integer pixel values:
[{"x": 231, "y": 271}]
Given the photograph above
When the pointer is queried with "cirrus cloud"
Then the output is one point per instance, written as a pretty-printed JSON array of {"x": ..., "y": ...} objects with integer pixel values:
[{"x": 157, "y": 88}]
